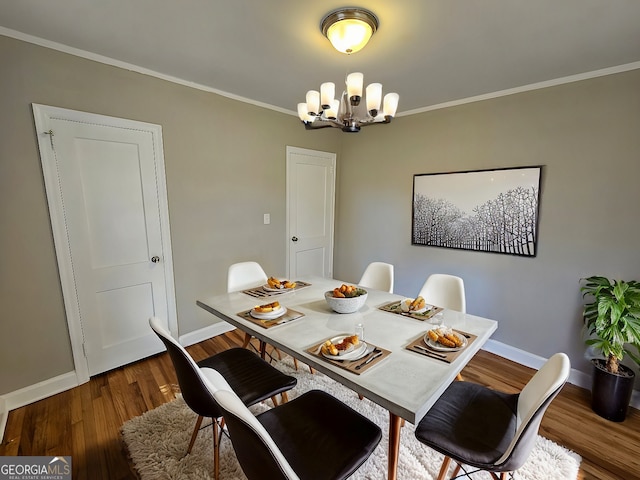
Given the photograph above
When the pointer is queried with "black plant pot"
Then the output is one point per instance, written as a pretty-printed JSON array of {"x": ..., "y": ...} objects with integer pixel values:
[{"x": 611, "y": 393}]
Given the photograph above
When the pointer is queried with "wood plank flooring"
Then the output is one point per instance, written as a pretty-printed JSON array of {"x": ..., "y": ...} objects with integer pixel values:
[{"x": 84, "y": 422}]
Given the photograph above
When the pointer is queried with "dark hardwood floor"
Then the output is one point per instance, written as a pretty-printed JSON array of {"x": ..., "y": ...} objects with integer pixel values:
[{"x": 84, "y": 422}]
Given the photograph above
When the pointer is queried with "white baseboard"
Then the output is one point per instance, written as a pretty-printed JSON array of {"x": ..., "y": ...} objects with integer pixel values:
[
  {"x": 47, "y": 388},
  {"x": 44, "y": 389},
  {"x": 527, "y": 359},
  {"x": 205, "y": 333}
]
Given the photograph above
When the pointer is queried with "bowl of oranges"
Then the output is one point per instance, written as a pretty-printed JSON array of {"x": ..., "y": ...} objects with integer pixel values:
[{"x": 346, "y": 298}]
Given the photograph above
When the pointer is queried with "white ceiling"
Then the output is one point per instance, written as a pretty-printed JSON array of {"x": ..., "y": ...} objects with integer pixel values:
[{"x": 271, "y": 52}]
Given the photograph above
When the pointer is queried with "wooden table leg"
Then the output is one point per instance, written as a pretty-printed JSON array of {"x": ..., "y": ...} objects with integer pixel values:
[
  {"x": 263, "y": 349},
  {"x": 395, "y": 424}
]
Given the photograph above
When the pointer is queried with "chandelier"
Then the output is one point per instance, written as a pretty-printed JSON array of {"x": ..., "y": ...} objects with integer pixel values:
[
  {"x": 348, "y": 30},
  {"x": 322, "y": 110}
]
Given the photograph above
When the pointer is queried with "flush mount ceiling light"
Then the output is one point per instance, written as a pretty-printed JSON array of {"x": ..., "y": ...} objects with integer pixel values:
[
  {"x": 321, "y": 108},
  {"x": 349, "y": 29}
]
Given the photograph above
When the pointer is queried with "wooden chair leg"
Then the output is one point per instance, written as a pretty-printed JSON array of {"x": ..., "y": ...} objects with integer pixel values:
[
  {"x": 311, "y": 370},
  {"x": 295, "y": 363},
  {"x": 247, "y": 339},
  {"x": 194, "y": 434},
  {"x": 444, "y": 468},
  {"x": 274, "y": 399},
  {"x": 284, "y": 397},
  {"x": 456, "y": 470},
  {"x": 459, "y": 378},
  {"x": 216, "y": 451}
]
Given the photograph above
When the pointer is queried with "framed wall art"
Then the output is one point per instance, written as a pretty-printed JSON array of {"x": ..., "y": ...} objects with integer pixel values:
[{"x": 484, "y": 210}]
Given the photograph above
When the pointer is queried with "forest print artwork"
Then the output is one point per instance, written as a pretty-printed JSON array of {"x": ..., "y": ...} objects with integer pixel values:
[{"x": 487, "y": 211}]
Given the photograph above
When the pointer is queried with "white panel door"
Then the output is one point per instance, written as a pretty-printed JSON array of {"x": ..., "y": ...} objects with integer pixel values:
[
  {"x": 310, "y": 212},
  {"x": 110, "y": 207}
]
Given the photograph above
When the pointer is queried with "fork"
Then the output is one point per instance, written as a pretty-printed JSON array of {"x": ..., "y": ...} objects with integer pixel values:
[{"x": 374, "y": 354}]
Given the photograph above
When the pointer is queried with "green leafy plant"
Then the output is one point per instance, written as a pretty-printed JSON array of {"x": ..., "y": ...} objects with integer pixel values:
[{"x": 612, "y": 317}]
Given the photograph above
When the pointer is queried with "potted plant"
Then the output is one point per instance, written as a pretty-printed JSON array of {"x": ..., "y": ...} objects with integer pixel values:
[{"x": 612, "y": 319}]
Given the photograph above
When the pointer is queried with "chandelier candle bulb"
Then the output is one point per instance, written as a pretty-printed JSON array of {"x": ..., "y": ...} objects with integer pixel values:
[
  {"x": 332, "y": 112},
  {"x": 390, "y": 104},
  {"x": 327, "y": 94},
  {"x": 374, "y": 97},
  {"x": 303, "y": 114},
  {"x": 313, "y": 102},
  {"x": 354, "y": 87}
]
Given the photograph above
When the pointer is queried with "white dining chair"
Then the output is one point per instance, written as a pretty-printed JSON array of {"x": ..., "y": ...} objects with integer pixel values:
[
  {"x": 446, "y": 291},
  {"x": 244, "y": 275},
  {"x": 379, "y": 276}
]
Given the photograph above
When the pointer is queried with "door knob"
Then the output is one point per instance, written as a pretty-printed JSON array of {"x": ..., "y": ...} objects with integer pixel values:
[
  {"x": 294, "y": 239},
  {"x": 155, "y": 259}
]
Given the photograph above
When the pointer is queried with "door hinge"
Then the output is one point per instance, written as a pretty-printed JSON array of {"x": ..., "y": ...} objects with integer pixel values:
[{"x": 50, "y": 133}]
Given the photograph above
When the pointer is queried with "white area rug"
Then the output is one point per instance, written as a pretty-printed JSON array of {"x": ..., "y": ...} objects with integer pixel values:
[{"x": 157, "y": 442}]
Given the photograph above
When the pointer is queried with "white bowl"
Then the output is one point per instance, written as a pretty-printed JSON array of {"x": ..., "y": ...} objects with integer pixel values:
[{"x": 345, "y": 305}]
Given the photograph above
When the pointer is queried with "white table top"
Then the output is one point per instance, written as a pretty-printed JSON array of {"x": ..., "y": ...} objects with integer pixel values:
[{"x": 405, "y": 383}]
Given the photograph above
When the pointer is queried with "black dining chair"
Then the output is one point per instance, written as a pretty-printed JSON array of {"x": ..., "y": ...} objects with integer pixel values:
[
  {"x": 312, "y": 437},
  {"x": 252, "y": 378},
  {"x": 487, "y": 429}
]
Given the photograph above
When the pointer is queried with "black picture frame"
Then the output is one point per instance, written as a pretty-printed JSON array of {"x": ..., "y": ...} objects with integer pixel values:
[{"x": 494, "y": 210}]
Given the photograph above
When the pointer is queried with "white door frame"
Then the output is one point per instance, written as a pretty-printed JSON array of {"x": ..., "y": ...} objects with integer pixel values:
[{"x": 43, "y": 114}]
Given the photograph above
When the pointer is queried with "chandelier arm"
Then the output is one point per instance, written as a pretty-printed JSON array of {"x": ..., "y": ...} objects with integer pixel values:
[
  {"x": 322, "y": 123},
  {"x": 372, "y": 121}
]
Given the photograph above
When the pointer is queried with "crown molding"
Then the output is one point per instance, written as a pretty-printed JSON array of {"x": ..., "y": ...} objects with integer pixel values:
[{"x": 477, "y": 98}]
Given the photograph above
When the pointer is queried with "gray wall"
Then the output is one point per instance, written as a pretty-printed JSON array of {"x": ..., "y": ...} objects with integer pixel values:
[
  {"x": 225, "y": 164},
  {"x": 587, "y": 136}
]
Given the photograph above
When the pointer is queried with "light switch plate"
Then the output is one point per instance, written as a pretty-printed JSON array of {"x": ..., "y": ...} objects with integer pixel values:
[{"x": 267, "y": 218}]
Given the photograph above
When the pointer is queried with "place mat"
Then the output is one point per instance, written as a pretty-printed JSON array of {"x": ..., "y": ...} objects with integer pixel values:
[
  {"x": 394, "y": 307},
  {"x": 259, "y": 292},
  {"x": 447, "y": 357},
  {"x": 351, "y": 364},
  {"x": 288, "y": 316}
]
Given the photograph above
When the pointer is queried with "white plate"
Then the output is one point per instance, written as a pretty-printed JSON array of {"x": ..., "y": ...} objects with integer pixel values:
[
  {"x": 404, "y": 306},
  {"x": 267, "y": 288},
  {"x": 355, "y": 354},
  {"x": 269, "y": 315},
  {"x": 441, "y": 348}
]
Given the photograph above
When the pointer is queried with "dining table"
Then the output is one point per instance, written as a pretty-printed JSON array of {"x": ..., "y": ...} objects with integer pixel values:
[{"x": 406, "y": 378}]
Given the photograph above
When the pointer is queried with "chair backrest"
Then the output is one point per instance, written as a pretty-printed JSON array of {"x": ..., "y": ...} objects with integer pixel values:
[
  {"x": 378, "y": 275},
  {"x": 533, "y": 401},
  {"x": 192, "y": 385},
  {"x": 256, "y": 451},
  {"x": 446, "y": 291},
  {"x": 243, "y": 275}
]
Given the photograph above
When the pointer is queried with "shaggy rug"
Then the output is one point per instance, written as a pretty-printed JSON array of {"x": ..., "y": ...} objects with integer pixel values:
[{"x": 157, "y": 441}]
